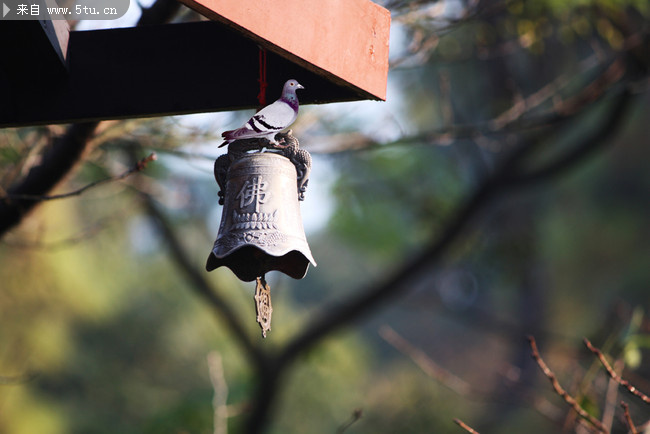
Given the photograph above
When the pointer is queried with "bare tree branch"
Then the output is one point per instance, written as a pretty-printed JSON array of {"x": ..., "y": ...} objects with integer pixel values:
[
  {"x": 83, "y": 235},
  {"x": 611, "y": 396},
  {"x": 425, "y": 363},
  {"x": 445, "y": 24},
  {"x": 200, "y": 284},
  {"x": 400, "y": 280},
  {"x": 464, "y": 426},
  {"x": 599, "y": 138},
  {"x": 520, "y": 117},
  {"x": 610, "y": 371},
  {"x": 628, "y": 418},
  {"x": 139, "y": 166},
  {"x": 461, "y": 387},
  {"x": 560, "y": 391},
  {"x": 56, "y": 163},
  {"x": 356, "y": 415},
  {"x": 368, "y": 301},
  {"x": 65, "y": 151}
]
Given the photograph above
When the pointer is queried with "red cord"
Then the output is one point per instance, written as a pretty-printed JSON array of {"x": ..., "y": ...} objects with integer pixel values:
[{"x": 261, "y": 97}]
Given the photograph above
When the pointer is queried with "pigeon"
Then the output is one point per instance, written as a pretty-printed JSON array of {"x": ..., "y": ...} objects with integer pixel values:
[{"x": 271, "y": 119}]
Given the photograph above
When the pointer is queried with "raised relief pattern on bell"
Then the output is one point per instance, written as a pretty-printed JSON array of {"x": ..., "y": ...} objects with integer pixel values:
[{"x": 255, "y": 220}]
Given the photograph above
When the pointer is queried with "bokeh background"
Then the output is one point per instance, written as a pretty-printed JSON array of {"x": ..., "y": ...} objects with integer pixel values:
[{"x": 104, "y": 329}]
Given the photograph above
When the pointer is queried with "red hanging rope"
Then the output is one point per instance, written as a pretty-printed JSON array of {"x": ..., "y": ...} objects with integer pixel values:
[{"x": 261, "y": 97}]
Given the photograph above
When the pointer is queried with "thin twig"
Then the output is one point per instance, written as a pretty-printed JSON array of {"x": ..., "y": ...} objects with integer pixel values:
[
  {"x": 626, "y": 384},
  {"x": 460, "y": 386},
  {"x": 590, "y": 144},
  {"x": 139, "y": 166},
  {"x": 220, "y": 387},
  {"x": 570, "y": 105},
  {"x": 425, "y": 363},
  {"x": 445, "y": 24},
  {"x": 517, "y": 119},
  {"x": 356, "y": 415},
  {"x": 464, "y": 426},
  {"x": 611, "y": 397},
  {"x": 17, "y": 379},
  {"x": 628, "y": 418},
  {"x": 82, "y": 236},
  {"x": 199, "y": 283},
  {"x": 560, "y": 391}
]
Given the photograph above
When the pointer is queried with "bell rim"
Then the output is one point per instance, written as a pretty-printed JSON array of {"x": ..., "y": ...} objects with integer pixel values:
[
  {"x": 278, "y": 254},
  {"x": 215, "y": 261}
]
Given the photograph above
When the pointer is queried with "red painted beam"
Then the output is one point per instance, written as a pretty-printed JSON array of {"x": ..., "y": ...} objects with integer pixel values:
[{"x": 345, "y": 41}]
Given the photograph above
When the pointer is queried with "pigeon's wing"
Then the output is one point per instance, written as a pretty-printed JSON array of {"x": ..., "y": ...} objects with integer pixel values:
[
  {"x": 245, "y": 132},
  {"x": 273, "y": 118},
  {"x": 268, "y": 121}
]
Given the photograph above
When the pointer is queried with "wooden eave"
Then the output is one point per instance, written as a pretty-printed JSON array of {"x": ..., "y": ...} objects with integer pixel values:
[{"x": 338, "y": 51}]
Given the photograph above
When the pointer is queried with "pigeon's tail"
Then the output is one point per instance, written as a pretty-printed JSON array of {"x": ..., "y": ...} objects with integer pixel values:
[
  {"x": 232, "y": 135},
  {"x": 227, "y": 135},
  {"x": 238, "y": 134}
]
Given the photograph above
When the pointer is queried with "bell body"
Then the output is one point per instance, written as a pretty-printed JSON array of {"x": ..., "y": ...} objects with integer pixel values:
[{"x": 261, "y": 227}]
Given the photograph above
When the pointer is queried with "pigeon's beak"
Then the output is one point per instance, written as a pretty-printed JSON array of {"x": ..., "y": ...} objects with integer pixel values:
[{"x": 299, "y": 86}]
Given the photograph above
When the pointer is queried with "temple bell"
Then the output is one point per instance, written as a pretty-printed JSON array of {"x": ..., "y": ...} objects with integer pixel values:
[{"x": 261, "y": 228}]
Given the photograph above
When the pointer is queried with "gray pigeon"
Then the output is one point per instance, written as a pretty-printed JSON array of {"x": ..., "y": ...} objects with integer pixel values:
[{"x": 271, "y": 119}]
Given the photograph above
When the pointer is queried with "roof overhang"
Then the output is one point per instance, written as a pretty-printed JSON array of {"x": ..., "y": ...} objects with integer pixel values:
[{"x": 338, "y": 49}]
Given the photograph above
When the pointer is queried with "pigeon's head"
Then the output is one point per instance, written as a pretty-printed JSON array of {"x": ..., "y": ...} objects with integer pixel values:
[
  {"x": 289, "y": 93},
  {"x": 292, "y": 86}
]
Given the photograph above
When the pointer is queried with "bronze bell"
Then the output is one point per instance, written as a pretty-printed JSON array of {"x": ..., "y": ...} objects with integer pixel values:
[{"x": 261, "y": 228}]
